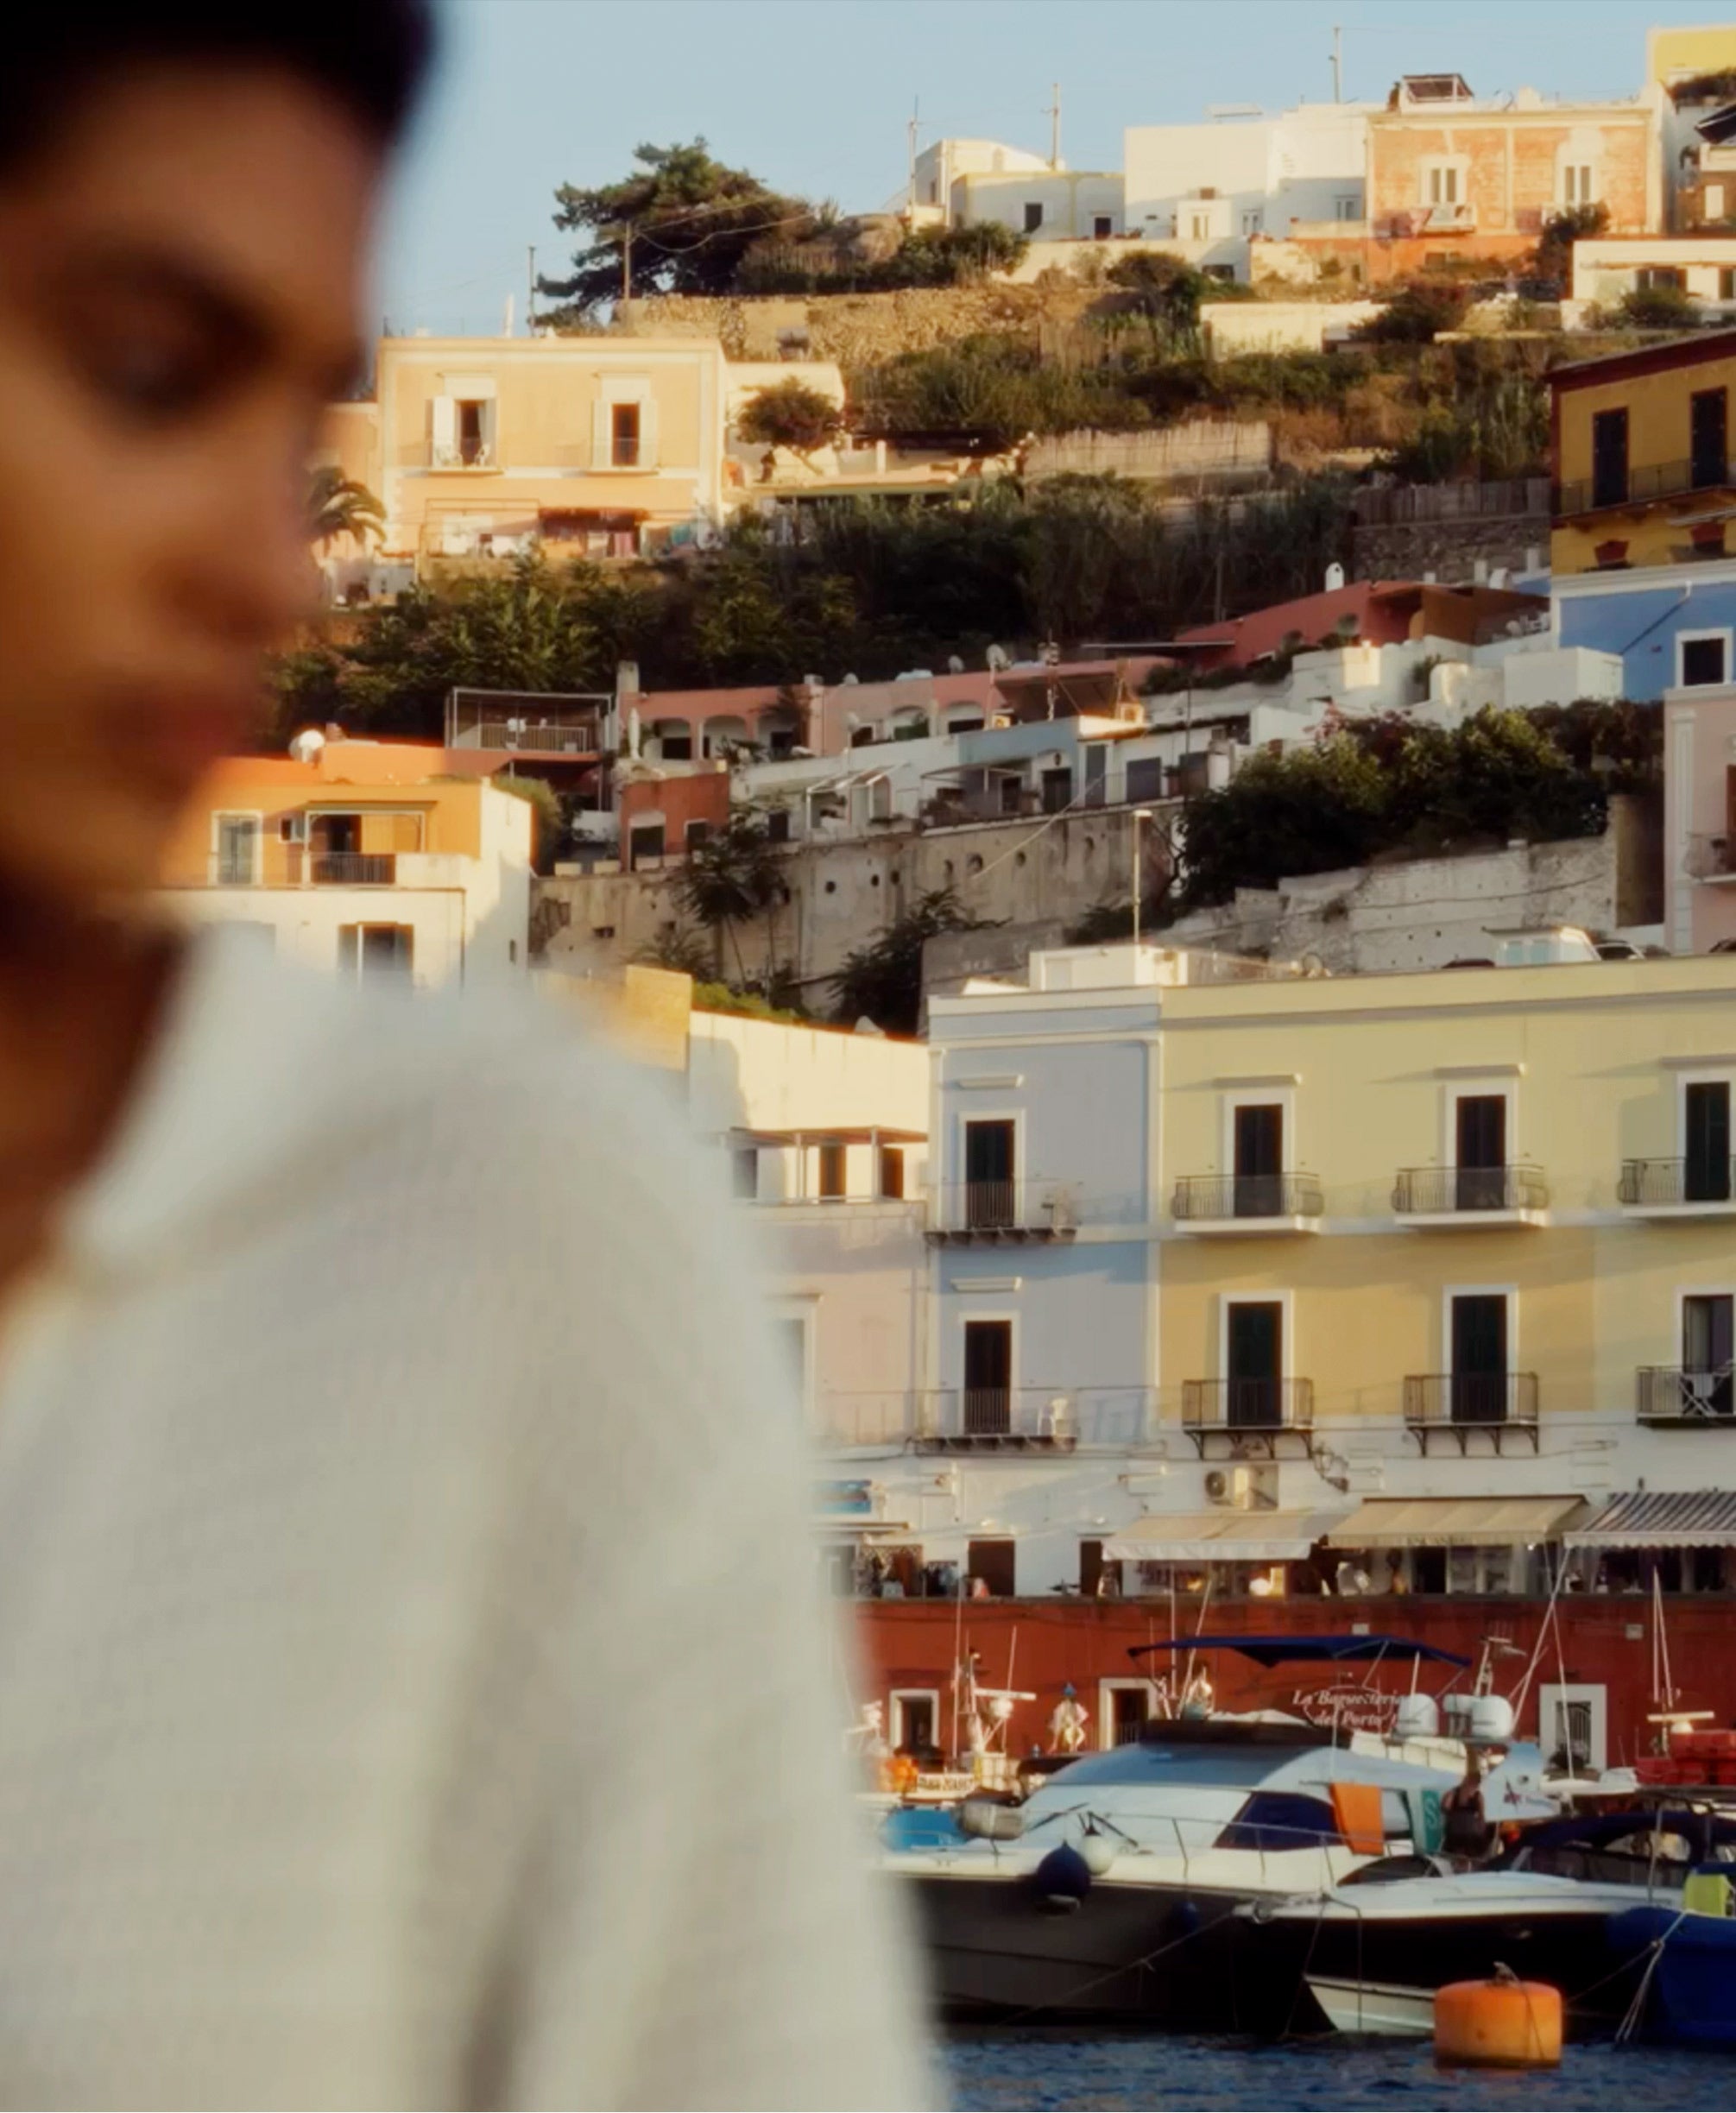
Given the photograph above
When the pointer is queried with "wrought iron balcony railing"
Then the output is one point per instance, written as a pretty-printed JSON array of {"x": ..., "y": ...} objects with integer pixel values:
[
  {"x": 1430, "y": 1192},
  {"x": 1216, "y": 1197},
  {"x": 1442, "y": 1398}
]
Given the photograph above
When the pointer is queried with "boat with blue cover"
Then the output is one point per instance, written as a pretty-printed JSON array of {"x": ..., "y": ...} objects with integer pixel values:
[{"x": 1689, "y": 1996}]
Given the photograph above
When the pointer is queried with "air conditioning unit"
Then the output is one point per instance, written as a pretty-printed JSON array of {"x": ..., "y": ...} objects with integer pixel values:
[
  {"x": 1218, "y": 1488},
  {"x": 1246, "y": 1488},
  {"x": 295, "y": 828}
]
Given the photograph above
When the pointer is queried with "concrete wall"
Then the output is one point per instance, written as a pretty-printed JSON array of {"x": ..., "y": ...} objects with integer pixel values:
[
  {"x": 1699, "y": 756},
  {"x": 841, "y": 894},
  {"x": 1510, "y": 163},
  {"x": 1420, "y": 914},
  {"x": 1072, "y": 200},
  {"x": 1233, "y": 328},
  {"x": 747, "y": 1074},
  {"x": 1201, "y": 450},
  {"x": 304, "y": 924},
  {"x": 1604, "y": 271}
]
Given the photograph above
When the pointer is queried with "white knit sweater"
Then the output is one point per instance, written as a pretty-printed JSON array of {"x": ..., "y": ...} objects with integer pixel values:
[{"x": 412, "y": 1689}]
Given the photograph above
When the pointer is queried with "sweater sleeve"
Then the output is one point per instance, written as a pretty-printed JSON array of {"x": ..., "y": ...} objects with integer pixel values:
[{"x": 701, "y": 1926}]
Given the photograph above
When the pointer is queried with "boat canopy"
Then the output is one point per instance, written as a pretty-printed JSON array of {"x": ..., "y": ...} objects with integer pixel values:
[{"x": 1277, "y": 1650}]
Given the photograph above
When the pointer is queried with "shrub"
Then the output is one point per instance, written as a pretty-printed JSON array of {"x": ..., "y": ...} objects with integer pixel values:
[
  {"x": 1657, "y": 307},
  {"x": 1417, "y": 313},
  {"x": 792, "y": 414}
]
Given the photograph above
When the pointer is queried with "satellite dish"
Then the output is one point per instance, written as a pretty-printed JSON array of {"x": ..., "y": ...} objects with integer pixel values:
[
  {"x": 997, "y": 660},
  {"x": 955, "y": 665},
  {"x": 307, "y": 744},
  {"x": 1335, "y": 578}
]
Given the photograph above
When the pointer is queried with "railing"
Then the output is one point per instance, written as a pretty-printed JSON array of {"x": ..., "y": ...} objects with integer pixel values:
[
  {"x": 1429, "y": 1192},
  {"x": 1491, "y": 498},
  {"x": 1710, "y": 858},
  {"x": 1471, "y": 1398},
  {"x": 352, "y": 868},
  {"x": 1033, "y": 1209},
  {"x": 1218, "y": 1196},
  {"x": 1674, "y": 1395},
  {"x": 1034, "y": 1418},
  {"x": 1248, "y": 1404},
  {"x": 541, "y": 736},
  {"x": 1646, "y": 480},
  {"x": 865, "y": 1419},
  {"x": 1661, "y": 1183}
]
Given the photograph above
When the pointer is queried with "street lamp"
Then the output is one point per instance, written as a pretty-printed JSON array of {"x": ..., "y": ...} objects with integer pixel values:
[{"x": 1142, "y": 815}]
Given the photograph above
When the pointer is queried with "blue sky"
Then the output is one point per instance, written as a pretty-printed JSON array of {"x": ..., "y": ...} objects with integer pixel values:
[{"x": 814, "y": 96}]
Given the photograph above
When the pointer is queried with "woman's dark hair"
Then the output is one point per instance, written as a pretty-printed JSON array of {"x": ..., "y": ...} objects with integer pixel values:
[{"x": 369, "y": 55}]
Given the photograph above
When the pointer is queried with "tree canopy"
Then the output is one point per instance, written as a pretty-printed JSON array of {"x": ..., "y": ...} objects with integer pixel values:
[
  {"x": 882, "y": 979},
  {"x": 689, "y": 220},
  {"x": 791, "y": 414},
  {"x": 337, "y": 504}
]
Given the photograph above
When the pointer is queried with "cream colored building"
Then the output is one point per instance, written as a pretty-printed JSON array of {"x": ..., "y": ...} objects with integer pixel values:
[{"x": 598, "y": 445}]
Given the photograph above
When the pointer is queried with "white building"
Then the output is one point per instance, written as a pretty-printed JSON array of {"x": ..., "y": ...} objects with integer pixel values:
[
  {"x": 1213, "y": 188},
  {"x": 965, "y": 183}
]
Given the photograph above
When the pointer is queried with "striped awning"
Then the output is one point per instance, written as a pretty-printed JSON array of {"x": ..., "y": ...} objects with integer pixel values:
[
  {"x": 1661, "y": 1518},
  {"x": 1454, "y": 1522},
  {"x": 1225, "y": 1535}
]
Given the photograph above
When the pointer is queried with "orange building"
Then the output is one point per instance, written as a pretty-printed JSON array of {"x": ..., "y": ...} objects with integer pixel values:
[{"x": 370, "y": 857}]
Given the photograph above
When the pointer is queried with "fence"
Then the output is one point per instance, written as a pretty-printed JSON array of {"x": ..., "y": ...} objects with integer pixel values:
[{"x": 1384, "y": 505}]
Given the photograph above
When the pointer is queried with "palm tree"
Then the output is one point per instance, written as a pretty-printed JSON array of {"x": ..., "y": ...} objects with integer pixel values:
[
  {"x": 730, "y": 879},
  {"x": 337, "y": 504}
]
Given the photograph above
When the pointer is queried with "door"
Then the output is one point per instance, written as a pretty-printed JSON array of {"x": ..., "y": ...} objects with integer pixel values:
[
  {"x": 1480, "y": 1151},
  {"x": 1573, "y": 1727},
  {"x": 1608, "y": 458},
  {"x": 237, "y": 850},
  {"x": 1057, "y": 790},
  {"x": 1708, "y": 1345},
  {"x": 1709, "y": 436},
  {"x": 912, "y": 1720},
  {"x": 1255, "y": 1386},
  {"x": 1258, "y": 1162},
  {"x": 1706, "y": 1142},
  {"x": 1129, "y": 1707},
  {"x": 988, "y": 1174},
  {"x": 993, "y": 1565},
  {"x": 1480, "y": 1358},
  {"x": 833, "y": 1166},
  {"x": 988, "y": 1377}
]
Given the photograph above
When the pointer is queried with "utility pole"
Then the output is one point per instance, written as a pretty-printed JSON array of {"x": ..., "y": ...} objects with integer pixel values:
[
  {"x": 627, "y": 259},
  {"x": 1142, "y": 815},
  {"x": 1054, "y": 115},
  {"x": 1337, "y": 63},
  {"x": 910, "y": 155},
  {"x": 530, "y": 306}
]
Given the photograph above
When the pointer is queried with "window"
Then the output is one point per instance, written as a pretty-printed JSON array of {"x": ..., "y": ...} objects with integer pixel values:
[
  {"x": 644, "y": 842},
  {"x": 472, "y": 427},
  {"x": 1274, "y": 1819},
  {"x": 675, "y": 744},
  {"x": 237, "y": 850},
  {"x": 1033, "y": 216},
  {"x": 368, "y": 951},
  {"x": 833, "y": 1166},
  {"x": 1253, "y": 221},
  {"x": 1708, "y": 1347},
  {"x": 892, "y": 1172},
  {"x": 1726, "y": 283},
  {"x": 1706, "y": 1142},
  {"x": 1661, "y": 278},
  {"x": 1701, "y": 658},
  {"x": 624, "y": 435},
  {"x": 1577, "y": 183},
  {"x": 1102, "y": 227},
  {"x": 1057, "y": 790},
  {"x": 744, "y": 1173},
  {"x": 1478, "y": 1334},
  {"x": 1199, "y": 227},
  {"x": 1712, "y": 208},
  {"x": 1608, "y": 457},
  {"x": 1145, "y": 779},
  {"x": 1259, "y": 1148},
  {"x": 1441, "y": 183},
  {"x": 778, "y": 825},
  {"x": 989, "y": 1174},
  {"x": 1126, "y": 1707},
  {"x": 1344, "y": 207},
  {"x": 697, "y": 833},
  {"x": 994, "y": 1563},
  {"x": 1574, "y": 1724},
  {"x": 988, "y": 1379}
]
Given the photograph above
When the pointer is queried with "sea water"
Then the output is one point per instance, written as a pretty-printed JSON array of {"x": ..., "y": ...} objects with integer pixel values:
[{"x": 1054, "y": 2068}]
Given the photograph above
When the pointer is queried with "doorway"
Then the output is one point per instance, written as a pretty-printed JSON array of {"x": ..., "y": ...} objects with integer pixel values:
[
  {"x": 1573, "y": 1722},
  {"x": 1255, "y": 1354},
  {"x": 1478, "y": 1335},
  {"x": 1706, "y": 1142},
  {"x": 988, "y": 1379},
  {"x": 1479, "y": 1125},
  {"x": 1708, "y": 1345},
  {"x": 1258, "y": 1161},
  {"x": 988, "y": 1174}
]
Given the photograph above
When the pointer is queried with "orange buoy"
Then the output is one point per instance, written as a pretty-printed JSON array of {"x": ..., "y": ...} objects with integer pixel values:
[{"x": 1501, "y": 2023}]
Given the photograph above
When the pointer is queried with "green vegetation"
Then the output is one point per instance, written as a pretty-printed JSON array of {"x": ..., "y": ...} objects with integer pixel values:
[
  {"x": 791, "y": 414},
  {"x": 724, "y": 998},
  {"x": 1392, "y": 788},
  {"x": 547, "y": 821},
  {"x": 881, "y": 981},
  {"x": 337, "y": 504},
  {"x": 733, "y": 878},
  {"x": 1553, "y": 261},
  {"x": 840, "y": 259},
  {"x": 1417, "y": 313},
  {"x": 1657, "y": 307}
]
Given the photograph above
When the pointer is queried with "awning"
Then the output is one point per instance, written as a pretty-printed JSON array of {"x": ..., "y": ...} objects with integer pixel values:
[
  {"x": 1220, "y": 1536},
  {"x": 1661, "y": 1518},
  {"x": 1452, "y": 1522}
]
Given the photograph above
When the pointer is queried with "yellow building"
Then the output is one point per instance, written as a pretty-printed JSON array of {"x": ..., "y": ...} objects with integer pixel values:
[
  {"x": 1455, "y": 1235},
  {"x": 477, "y": 445},
  {"x": 1645, "y": 495}
]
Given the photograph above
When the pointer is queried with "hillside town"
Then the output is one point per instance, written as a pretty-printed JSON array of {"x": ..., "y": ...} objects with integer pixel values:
[{"x": 1147, "y": 757}]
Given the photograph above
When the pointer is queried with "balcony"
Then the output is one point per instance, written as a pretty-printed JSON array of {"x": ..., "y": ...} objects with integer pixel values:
[
  {"x": 1247, "y": 1203},
  {"x": 1640, "y": 485},
  {"x": 1002, "y": 1212},
  {"x": 1043, "y": 1420},
  {"x": 1458, "y": 1404},
  {"x": 352, "y": 868},
  {"x": 1248, "y": 1414},
  {"x": 1669, "y": 1396},
  {"x": 1678, "y": 1188},
  {"x": 1463, "y": 1197}
]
